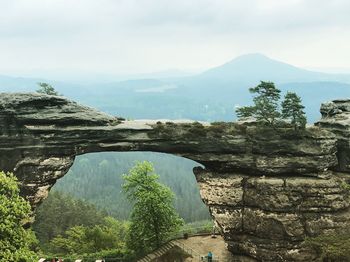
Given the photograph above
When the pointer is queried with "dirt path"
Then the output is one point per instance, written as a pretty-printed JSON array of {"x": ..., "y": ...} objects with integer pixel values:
[{"x": 204, "y": 244}]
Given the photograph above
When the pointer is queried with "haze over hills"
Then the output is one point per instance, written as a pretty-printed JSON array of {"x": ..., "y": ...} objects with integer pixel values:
[
  {"x": 208, "y": 96},
  {"x": 255, "y": 67}
]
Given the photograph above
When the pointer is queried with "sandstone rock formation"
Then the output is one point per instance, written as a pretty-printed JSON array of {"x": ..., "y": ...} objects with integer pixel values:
[
  {"x": 266, "y": 189},
  {"x": 336, "y": 117}
]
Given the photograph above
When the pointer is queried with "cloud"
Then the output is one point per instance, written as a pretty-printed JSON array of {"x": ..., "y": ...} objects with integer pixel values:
[
  {"x": 149, "y": 35},
  {"x": 59, "y": 16}
]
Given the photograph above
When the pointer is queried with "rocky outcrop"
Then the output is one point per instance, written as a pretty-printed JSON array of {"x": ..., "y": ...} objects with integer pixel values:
[
  {"x": 266, "y": 189},
  {"x": 336, "y": 117}
]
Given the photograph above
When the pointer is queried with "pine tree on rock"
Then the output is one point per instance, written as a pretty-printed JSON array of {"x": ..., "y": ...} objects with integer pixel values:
[
  {"x": 265, "y": 107},
  {"x": 45, "y": 88},
  {"x": 293, "y": 109}
]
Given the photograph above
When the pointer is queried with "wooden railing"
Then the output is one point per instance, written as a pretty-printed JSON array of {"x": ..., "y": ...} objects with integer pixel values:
[
  {"x": 191, "y": 232},
  {"x": 196, "y": 231},
  {"x": 188, "y": 250}
]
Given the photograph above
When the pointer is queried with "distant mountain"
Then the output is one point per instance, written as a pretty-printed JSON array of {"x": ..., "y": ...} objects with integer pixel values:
[
  {"x": 17, "y": 84},
  {"x": 209, "y": 96},
  {"x": 252, "y": 68}
]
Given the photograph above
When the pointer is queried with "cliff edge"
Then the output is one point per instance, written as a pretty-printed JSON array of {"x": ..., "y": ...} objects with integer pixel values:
[{"x": 266, "y": 189}]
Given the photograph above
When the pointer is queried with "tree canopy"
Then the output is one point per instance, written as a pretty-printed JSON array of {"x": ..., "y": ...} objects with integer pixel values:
[
  {"x": 97, "y": 178},
  {"x": 15, "y": 241},
  {"x": 46, "y": 88},
  {"x": 59, "y": 212},
  {"x": 293, "y": 109},
  {"x": 153, "y": 218},
  {"x": 266, "y": 106},
  {"x": 108, "y": 237}
]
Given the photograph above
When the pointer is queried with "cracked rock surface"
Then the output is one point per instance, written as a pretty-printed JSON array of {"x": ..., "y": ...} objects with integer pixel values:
[{"x": 266, "y": 189}]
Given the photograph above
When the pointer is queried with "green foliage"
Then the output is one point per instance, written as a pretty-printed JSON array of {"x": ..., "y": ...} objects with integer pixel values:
[
  {"x": 293, "y": 109},
  {"x": 245, "y": 111},
  {"x": 345, "y": 186},
  {"x": 331, "y": 247},
  {"x": 81, "y": 240},
  {"x": 196, "y": 129},
  {"x": 97, "y": 178},
  {"x": 204, "y": 226},
  {"x": 265, "y": 107},
  {"x": 59, "y": 212},
  {"x": 153, "y": 218},
  {"x": 108, "y": 255},
  {"x": 15, "y": 241},
  {"x": 46, "y": 88}
]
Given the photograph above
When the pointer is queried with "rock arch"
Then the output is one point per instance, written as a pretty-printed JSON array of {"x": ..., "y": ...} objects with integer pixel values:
[{"x": 265, "y": 189}]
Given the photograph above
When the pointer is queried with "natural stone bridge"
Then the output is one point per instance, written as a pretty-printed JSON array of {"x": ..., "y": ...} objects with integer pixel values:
[{"x": 266, "y": 189}]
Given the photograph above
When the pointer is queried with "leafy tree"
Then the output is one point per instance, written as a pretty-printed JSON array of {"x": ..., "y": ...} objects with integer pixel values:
[
  {"x": 153, "y": 218},
  {"x": 97, "y": 178},
  {"x": 46, "y": 88},
  {"x": 265, "y": 107},
  {"x": 293, "y": 109},
  {"x": 15, "y": 241},
  {"x": 59, "y": 212},
  {"x": 245, "y": 111},
  {"x": 80, "y": 240}
]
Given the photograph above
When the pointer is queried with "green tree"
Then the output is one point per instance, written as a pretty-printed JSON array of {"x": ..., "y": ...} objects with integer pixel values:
[
  {"x": 15, "y": 241},
  {"x": 46, "y": 88},
  {"x": 97, "y": 178},
  {"x": 59, "y": 212},
  {"x": 245, "y": 111},
  {"x": 80, "y": 240},
  {"x": 292, "y": 109},
  {"x": 265, "y": 108},
  {"x": 153, "y": 218}
]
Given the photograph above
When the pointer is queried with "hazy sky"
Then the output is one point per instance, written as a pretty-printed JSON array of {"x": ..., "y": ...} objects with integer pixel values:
[{"x": 133, "y": 36}]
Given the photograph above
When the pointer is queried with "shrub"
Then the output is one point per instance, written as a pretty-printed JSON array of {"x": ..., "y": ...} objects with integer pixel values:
[
  {"x": 331, "y": 247},
  {"x": 15, "y": 241}
]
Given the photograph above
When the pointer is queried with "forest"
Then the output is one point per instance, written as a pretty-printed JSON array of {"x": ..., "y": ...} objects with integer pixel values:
[
  {"x": 97, "y": 178},
  {"x": 87, "y": 213},
  {"x": 70, "y": 228}
]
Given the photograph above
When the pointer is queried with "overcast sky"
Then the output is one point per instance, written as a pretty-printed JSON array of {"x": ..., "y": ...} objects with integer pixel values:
[{"x": 134, "y": 36}]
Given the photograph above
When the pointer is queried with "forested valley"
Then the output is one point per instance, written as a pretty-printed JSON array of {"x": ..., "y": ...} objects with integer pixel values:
[
  {"x": 97, "y": 178},
  {"x": 87, "y": 214}
]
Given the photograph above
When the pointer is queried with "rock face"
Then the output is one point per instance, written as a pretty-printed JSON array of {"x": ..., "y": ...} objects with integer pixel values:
[
  {"x": 336, "y": 117},
  {"x": 266, "y": 189}
]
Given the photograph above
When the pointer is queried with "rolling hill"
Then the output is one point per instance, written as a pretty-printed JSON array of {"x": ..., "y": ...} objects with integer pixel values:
[{"x": 209, "y": 96}]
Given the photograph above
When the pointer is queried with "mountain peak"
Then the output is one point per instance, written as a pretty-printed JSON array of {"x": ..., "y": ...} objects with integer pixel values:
[
  {"x": 251, "y": 56},
  {"x": 255, "y": 67}
]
